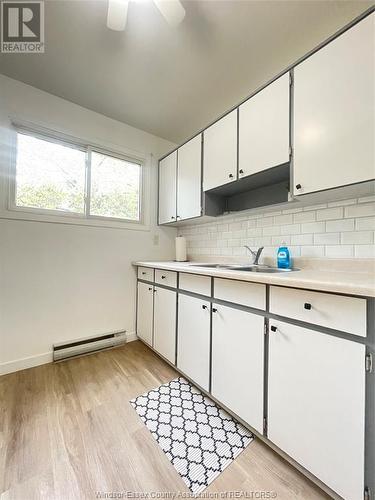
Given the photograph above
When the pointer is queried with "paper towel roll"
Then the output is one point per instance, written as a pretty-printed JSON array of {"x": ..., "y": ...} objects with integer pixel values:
[{"x": 180, "y": 249}]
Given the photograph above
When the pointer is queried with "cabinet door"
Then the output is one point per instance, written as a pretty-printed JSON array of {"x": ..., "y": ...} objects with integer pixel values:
[
  {"x": 220, "y": 152},
  {"x": 264, "y": 129},
  {"x": 165, "y": 323},
  {"x": 145, "y": 312},
  {"x": 316, "y": 400},
  {"x": 189, "y": 179},
  {"x": 237, "y": 362},
  {"x": 334, "y": 112},
  {"x": 193, "y": 340},
  {"x": 167, "y": 188}
]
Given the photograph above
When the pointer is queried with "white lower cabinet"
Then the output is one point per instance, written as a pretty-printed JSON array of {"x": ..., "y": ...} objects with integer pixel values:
[
  {"x": 165, "y": 323},
  {"x": 316, "y": 404},
  {"x": 193, "y": 345},
  {"x": 145, "y": 312},
  {"x": 237, "y": 362}
]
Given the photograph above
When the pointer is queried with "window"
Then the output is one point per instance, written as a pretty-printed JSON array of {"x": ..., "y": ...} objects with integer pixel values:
[
  {"x": 114, "y": 187},
  {"x": 77, "y": 180}
]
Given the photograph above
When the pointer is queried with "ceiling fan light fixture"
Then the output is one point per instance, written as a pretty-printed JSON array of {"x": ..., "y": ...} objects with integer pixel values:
[
  {"x": 172, "y": 11},
  {"x": 117, "y": 14}
]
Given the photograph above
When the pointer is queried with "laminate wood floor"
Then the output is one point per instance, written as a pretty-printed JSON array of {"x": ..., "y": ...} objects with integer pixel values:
[{"x": 67, "y": 431}]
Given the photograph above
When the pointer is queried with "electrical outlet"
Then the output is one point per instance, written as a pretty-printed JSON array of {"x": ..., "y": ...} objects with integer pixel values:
[{"x": 155, "y": 239}]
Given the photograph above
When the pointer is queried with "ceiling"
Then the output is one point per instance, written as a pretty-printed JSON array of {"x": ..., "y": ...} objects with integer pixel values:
[{"x": 173, "y": 81}]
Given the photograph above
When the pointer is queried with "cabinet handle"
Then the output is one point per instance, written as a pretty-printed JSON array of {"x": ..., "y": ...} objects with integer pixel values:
[
  {"x": 173, "y": 217},
  {"x": 178, "y": 217},
  {"x": 163, "y": 277},
  {"x": 204, "y": 306},
  {"x": 150, "y": 288},
  {"x": 143, "y": 273},
  {"x": 155, "y": 290},
  {"x": 273, "y": 328},
  {"x": 298, "y": 186},
  {"x": 214, "y": 309},
  {"x": 241, "y": 171},
  {"x": 230, "y": 176},
  {"x": 307, "y": 306}
]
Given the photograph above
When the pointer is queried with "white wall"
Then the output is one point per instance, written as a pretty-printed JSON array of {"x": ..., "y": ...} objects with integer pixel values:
[{"x": 61, "y": 281}]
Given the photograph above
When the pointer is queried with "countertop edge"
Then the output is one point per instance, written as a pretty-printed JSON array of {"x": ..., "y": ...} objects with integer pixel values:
[{"x": 290, "y": 280}]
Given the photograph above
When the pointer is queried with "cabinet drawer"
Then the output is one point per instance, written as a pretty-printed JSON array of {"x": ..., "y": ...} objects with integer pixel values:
[
  {"x": 146, "y": 273},
  {"x": 240, "y": 292},
  {"x": 168, "y": 278},
  {"x": 347, "y": 314},
  {"x": 195, "y": 283}
]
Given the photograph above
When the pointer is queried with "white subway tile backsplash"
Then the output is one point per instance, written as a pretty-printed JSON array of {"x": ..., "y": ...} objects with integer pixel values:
[
  {"x": 364, "y": 251},
  {"x": 271, "y": 231},
  {"x": 234, "y": 243},
  {"x": 315, "y": 207},
  {"x": 330, "y": 213},
  {"x": 312, "y": 251},
  {"x": 265, "y": 221},
  {"x": 292, "y": 210},
  {"x": 327, "y": 239},
  {"x": 233, "y": 226},
  {"x": 256, "y": 231},
  {"x": 365, "y": 223},
  {"x": 360, "y": 210},
  {"x": 290, "y": 229},
  {"x": 240, "y": 233},
  {"x": 313, "y": 227},
  {"x": 284, "y": 219},
  {"x": 280, "y": 240},
  {"x": 357, "y": 237},
  {"x": 304, "y": 217},
  {"x": 342, "y": 228},
  {"x": 342, "y": 203},
  {"x": 295, "y": 251},
  {"x": 239, "y": 251},
  {"x": 340, "y": 225},
  {"x": 302, "y": 239},
  {"x": 339, "y": 251}
]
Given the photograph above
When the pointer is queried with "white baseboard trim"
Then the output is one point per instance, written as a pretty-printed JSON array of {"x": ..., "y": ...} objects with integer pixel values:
[
  {"x": 131, "y": 336},
  {"x": 24, "y": 363},
  {"x": 40, "y": 359}
]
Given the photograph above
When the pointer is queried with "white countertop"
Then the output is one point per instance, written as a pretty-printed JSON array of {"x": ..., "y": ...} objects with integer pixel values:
[{"x": 347, "y": 282}]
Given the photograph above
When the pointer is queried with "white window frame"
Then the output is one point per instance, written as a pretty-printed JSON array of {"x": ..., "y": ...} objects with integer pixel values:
[{"x": 50, "y": 215}]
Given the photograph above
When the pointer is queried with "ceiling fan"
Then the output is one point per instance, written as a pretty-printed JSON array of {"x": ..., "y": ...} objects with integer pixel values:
[{"x": 172, "y": 11}]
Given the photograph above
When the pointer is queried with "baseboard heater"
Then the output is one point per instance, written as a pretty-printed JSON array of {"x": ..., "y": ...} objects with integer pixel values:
[{"x": 88, "y": 345}]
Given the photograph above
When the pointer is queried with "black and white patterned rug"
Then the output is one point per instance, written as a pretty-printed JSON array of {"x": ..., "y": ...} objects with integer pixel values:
[{"x": 198, "y": 437}]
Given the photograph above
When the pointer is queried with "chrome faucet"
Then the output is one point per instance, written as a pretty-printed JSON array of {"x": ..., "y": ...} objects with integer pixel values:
[{"x": 255, "y": 254}]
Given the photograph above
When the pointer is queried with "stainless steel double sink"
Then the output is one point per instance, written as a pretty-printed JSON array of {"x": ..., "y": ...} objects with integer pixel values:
[{"x": 248, "y": 268}]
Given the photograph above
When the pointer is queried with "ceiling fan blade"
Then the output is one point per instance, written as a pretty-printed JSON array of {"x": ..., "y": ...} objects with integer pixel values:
[
  {"x": 172, "y": 10},
  {"x": 117, "y": 14}
]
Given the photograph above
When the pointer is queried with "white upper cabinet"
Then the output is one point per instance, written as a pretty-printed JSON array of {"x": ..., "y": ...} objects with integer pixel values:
[
  {"x": 220, "y": 152},
  {"x": 334, "y": 112},
  {"x": 264, "y": 128},
  {"x": 167, "y": 188},
  {"x": 189, "y": 179}
]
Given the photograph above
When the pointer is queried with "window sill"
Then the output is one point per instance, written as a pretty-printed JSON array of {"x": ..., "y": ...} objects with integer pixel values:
[{"x": 24, "y": 215}]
